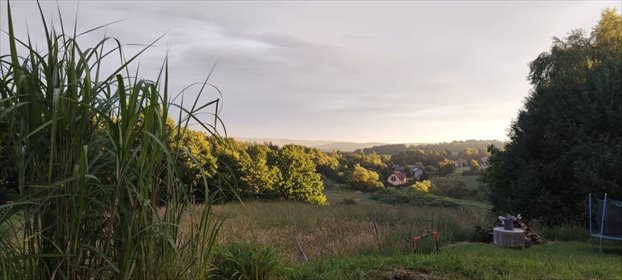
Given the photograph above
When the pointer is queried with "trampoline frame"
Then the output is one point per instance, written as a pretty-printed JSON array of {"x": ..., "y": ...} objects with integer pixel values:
[{"x": 603, "y": 222}]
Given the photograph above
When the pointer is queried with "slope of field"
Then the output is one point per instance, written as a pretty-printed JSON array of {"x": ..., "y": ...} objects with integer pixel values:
[{"x": 343, "y": 230}]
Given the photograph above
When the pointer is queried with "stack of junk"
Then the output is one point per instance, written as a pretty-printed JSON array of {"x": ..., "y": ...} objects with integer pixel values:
[{"x": 531, "y": 236}]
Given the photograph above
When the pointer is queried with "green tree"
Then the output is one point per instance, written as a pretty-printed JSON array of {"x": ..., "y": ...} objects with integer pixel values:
[
  {"x": 326, "y": 164},
  {"x": 299, "y": 181},
  {"x": 260, "y": 178},
  {"x": 566, "y": 142},
  {"x": 194, "y": 159},
  {"x": 364, "y": 179},
  {"x": 474, "y": 167},
  {"x": 446, "y": 167},
  {"x": 232, "y": 161}
]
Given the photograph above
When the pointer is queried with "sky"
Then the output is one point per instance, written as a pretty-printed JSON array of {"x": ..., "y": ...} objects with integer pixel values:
[{"x": 368, "y": 71}]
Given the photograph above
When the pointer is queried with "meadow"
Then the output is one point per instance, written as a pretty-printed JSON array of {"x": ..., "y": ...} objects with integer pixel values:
[
  {"x": 356, "y": 237},
  {"x": 372, "y": 241},
  {"x": 343, "y": 230}
]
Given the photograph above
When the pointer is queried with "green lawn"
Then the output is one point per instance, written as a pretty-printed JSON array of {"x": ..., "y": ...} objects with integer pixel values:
[{"x": 555, "y": 260}]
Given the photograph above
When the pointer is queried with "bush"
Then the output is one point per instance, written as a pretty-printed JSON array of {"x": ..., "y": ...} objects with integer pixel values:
[
  {"x": 412, "y": 197},
  {"x": 451, "y": 186},
  {"x": 422, "y": 186},
  {"x": 439, "y": 201},
  {"x": 246, "y": 261}
]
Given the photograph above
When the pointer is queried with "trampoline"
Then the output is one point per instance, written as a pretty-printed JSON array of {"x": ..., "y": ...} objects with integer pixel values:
[{"x": 608, "y": 223}]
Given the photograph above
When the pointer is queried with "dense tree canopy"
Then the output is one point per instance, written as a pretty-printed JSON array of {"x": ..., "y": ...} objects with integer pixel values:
[
  {"x": 300, "y": 179},
  {"x": 567, "y": 140},
  {"x": 364, "y": 179}
]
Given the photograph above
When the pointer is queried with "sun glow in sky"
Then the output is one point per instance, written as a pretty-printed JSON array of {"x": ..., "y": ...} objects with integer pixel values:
[{"x": 419, "y": 71}]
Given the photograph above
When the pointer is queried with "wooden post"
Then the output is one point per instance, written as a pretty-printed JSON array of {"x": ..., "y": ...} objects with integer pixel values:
[
  {"x": 300, "y": 250},
  {"x": 377, "y": 237}
]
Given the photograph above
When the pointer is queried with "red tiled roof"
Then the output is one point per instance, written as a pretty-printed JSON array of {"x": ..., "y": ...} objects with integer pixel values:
[{"x": 400, "y": 175}]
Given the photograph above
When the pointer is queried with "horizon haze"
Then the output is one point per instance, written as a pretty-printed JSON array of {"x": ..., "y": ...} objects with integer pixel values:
[{"x": 385, "y": 72}]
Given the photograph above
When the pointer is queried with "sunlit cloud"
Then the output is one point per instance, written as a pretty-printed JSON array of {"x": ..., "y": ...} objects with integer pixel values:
[{"x": 352, "y": 71}]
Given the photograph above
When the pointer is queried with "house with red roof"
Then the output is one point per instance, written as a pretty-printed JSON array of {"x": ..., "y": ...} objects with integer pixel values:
[{"x": 397, "y": 178}]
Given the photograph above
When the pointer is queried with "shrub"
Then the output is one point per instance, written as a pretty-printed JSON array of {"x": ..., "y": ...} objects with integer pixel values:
[
  {"x": 246, "y": 261},
  {"x": 451, "y": 186},
  {"x": 422, "y": 186}
]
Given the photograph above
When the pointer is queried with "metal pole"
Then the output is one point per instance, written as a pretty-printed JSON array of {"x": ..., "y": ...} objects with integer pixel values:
[
  {"x": 602, "y": 223},
  {"x": 589, "y": 199}
]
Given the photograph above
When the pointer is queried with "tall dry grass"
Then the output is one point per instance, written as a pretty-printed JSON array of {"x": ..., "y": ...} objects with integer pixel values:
[{"x": 342, "y": 230}]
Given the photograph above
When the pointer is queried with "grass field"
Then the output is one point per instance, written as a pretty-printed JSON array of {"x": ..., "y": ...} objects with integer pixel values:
[
  {"x": 340, "y": 193},
  {"x": 343, "y": 230},
  {"x": 370, "y": 240},
  {"x": 337, "y": 193},
  {"x": 555, "y": 260}
]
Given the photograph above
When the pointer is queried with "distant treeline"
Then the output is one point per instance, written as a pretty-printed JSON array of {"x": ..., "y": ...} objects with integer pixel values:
[
  {"x": 236, "y": 169},
  {"x": 453, "y": 147}
]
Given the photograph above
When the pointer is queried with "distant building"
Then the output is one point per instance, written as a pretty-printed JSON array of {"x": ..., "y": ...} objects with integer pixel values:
[
  {"x": 416, "y": 173},
  {"x": 484, "y": 161},
  {"x": 397, "y": 178},
  {"x": 461, "y": 162},
  {"x": 397, "y": 167}
]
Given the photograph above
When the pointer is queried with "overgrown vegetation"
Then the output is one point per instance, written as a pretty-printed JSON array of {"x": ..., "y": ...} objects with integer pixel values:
[
  {"x": 344, "y": 230},
  {"x": 246, "y": 261},
  {"x": 91, "y": 161},
  {"x": 566, "y": 141}
]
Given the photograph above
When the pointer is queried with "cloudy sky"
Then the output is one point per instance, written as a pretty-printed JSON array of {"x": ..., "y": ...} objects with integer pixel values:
[{"x": 404, "y": 71}]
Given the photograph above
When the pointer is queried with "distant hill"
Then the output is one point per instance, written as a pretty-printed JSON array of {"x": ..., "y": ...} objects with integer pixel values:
[
  {"x": 379, "y": 148},
  {"x": 323, "y": 145},
  {"x": 455, "y": 146},
  {"x": 346, "y": 146}
]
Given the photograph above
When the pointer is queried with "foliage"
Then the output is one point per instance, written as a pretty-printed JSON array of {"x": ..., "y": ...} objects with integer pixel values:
[
  {"x": 473, "y": 153},
  {"x": 450, "y": 186},
  {"x": 446, "y": 167},
  {"x": 261, "y": 178},
  {"x": 8, "y": 174},
  {"x": 245, "y": 261},
  {"x": 474, "y": 166},
  {"x": 326, "y": 164},
  {"x": 300, "y": 181},
  {"x": 194, "y": 160},
  {"x": 90, "y": 154},
  {"x": 422, "y": 186},
  {"x": 566, "y": 141},
  {"x": 451, "y": 147},
  {"x": 364, "y": 179}
]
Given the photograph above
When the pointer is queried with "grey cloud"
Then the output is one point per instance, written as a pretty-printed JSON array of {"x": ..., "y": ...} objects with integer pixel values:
[{"x": 361, "y": 71}]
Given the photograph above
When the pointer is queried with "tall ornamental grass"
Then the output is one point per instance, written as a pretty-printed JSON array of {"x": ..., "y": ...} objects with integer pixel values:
[{"x": 92, "y": 161}]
